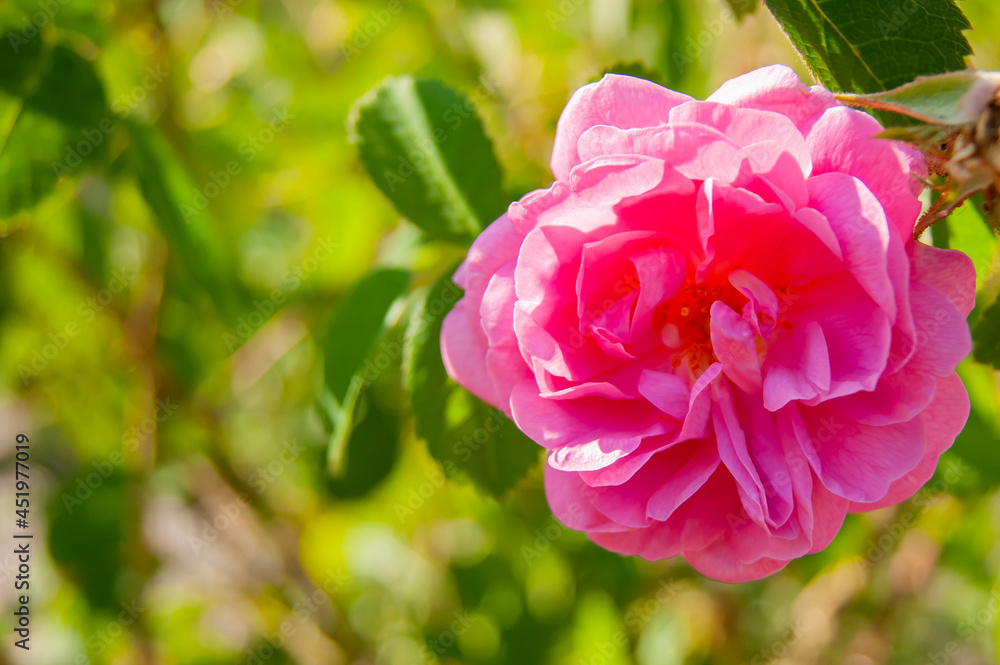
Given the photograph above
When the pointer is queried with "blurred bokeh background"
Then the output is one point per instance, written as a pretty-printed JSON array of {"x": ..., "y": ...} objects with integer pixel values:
[{"x": 181, "y": 214}]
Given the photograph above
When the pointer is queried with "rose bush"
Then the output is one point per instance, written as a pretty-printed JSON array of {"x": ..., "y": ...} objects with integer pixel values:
[{"x": 717, "y": 322}]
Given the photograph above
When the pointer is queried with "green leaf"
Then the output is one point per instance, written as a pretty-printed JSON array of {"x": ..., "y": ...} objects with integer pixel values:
[
  {"x": 361, "y": 429},
  {"x": 70, "y": 91},
  {"x": 979, "y": 442},
  {"x": 86, "y": 532},
  {"x": 54, "y": 80},
  {"x": 873, "y": 45},
  {"x": 924, "y": 137},
  {"x": 190, "y": 232},
  {"x": 53, "y": 119},
  {"x": 357, "y": 325},
  {"x": 32, "y": 145},
  {"x": 462, "y": 433},
  {"x": 986, "y": 336},
  {"x": 682, "y": 58},
  {"x": 970, "y": 233},
  {"x": 20, "y": 65},
  {"x": 93, "y": 232},
  {"x": 364, "y": 423},
  {"x": 424, "y": 146},
  {"x": 364, "y": 445},
  {"x": 955, "y": 98},
  {"x": 340, "y": 416}
]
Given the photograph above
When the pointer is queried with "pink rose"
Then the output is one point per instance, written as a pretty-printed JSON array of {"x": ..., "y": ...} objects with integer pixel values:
[{"x": 717, "y": 322}]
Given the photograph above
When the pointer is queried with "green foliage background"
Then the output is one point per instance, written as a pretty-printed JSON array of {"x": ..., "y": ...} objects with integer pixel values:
[{"x": 195, "y": 265}]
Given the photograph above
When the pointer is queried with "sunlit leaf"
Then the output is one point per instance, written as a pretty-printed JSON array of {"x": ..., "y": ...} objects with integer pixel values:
[
  {"x": 31, "y": 151},
  {"x": 424, "y": 146},
  {"x": 169, "y": 193},
  {"x": 874, "y": 45},
  {"x": 53, "y": 119},
  {"x": 954, "y": 98}
]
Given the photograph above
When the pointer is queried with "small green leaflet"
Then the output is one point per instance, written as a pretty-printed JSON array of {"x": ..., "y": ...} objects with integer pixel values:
[
  {"x": 462, "y": 433},
  {"x": 954, "y": 98},
  {"x": 352, "y": 362},
  {"x": 357, "y": 325}
]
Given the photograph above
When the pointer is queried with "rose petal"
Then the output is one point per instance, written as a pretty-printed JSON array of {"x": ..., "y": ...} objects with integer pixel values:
[{"x": 619, "y": 101}]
